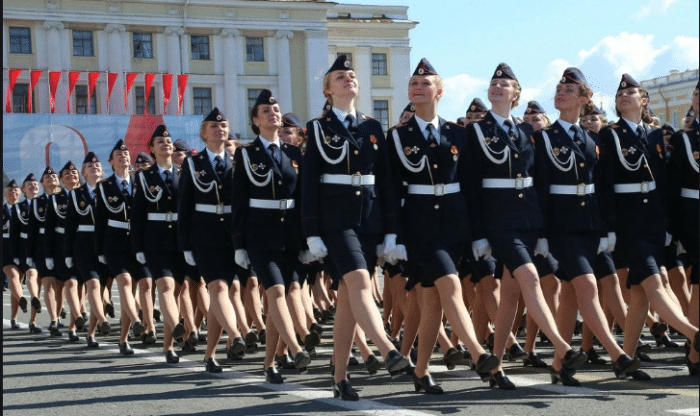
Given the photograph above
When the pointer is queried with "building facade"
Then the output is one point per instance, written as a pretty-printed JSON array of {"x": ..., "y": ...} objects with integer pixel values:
[
  {"x": 670, "y": 95},
  {"x": 230, "y": 50}
]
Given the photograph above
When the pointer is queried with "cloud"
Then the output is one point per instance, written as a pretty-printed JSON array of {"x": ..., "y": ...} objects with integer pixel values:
[
  {"x": 655, "y": 6},
  {"x": 460, "y": 90}
]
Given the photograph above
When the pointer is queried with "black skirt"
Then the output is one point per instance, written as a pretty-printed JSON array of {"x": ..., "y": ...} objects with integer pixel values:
[
  {"x": 166, "y": 263},
  {"x": 604, "y": 265},
  {"x": 349, "y": 251},
  {"x": 125, "y": 262},
  {"x": 575, "y": 252},
  {"x": 435, "y": 260},
  {"x": 275, "y": 267},
  {"x": 215, "y": 264},
  {"x": 643, "y": 255},
  {"x": 512, "y": 247},
  {"x": 545, "y": 265}
]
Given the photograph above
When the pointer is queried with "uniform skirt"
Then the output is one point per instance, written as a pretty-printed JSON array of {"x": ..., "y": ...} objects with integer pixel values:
[
  {"x": 65, "y": 273},
  {"x": 644, "y": 256},
  {"x": 691, "y": 245},
  {"x": 215, "y": 264},
  {"x": 166, "y": 263},
  {"x": 512, "y": 247},
  {"x": 349, "y": 251},
  {"x": 275, "y": 267},
  {"x": 479, "y": 268},
  {"x": 545, "y": 265},
  {"x": 22, "y": 255},
  {"x": 604, "y": 265},
  {"x": 120, "y": 262},
  {"x": 7, "y": 259},
  {"x": 575, "y": 252},
  {"x": 192, "y": 273},
  {"x": 435, "y": 260},
  {"x": 394, "y": 269}
]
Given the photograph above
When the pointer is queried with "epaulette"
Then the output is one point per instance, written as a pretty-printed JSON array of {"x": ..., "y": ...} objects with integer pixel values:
[
  {"x": 614, "y": 126},
  {"x": 366, "y": 117}
]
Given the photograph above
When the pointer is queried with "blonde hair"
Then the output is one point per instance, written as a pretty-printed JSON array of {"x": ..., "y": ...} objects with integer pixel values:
[
  {"x": 585, "y": 91},
  {"x": 327, "y": 87},
  {"x": 438, "y": 83},
  {"x": 518, "y": 89},
  {"x": 204, "y": 126}
]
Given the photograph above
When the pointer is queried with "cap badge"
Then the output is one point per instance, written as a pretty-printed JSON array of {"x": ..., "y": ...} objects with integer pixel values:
[
  {"x": 499, "y": 72},
  {"x": 623, "y": 84},
  {"x": 218, "y": 117},
  {"x": 347, "y": 64}
]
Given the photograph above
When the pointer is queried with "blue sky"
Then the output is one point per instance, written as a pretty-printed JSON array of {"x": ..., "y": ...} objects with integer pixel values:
[{"x": 465, "y": 40}]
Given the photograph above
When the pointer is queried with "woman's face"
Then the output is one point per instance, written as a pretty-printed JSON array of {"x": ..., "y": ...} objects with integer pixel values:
[
  {"x": 269, "y": 117},
  {"x": 537, "y": 121},
  {"x": 630, "y": 100},
  {"x": 290, "y": 135},
  {"x": 30, "y": 189},
  {"x": 70, "y": 178},
  {"x": 162, "y": 147},
  {"x": 568, "y": 97},
  {"x": 592, "y": 123},
  {"x": 502, "y": 91},
  {"x": 12, "y": 195},
  {"x": 216, "y": 133},
  {"x": 343, "y": 84},
  {"x": 231, "y": 145},
  {"x": 423, "y": 90},
  {"x": 695, "y": 101},
  {"x": 92, "y": 170},
  {"x": 50, "y": 181},
  {"x": 179, "y": 157},
  {"x": 120, "y": 159}
]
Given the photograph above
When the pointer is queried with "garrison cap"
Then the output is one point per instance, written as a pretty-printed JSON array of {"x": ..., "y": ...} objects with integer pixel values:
[
  {"x": 216, "y": 115},
  {"x": 533, "y": 107},
  {"x": 291, "y": 120},
  {"x": 573, "y": 76},
  {"x": 67, "y": 166},
  {"x": 424, "y": 68},
  {"x": 119, "y": 145},
  {"x": 160, "y": 131},
  {"x": 30, "y": 178},
  {"x": 12, "y": 184},
  {"x": 143, "y": 158},
  {"x": 410, "y": 108},
  {"x": 477, "y": 106},
  {"x": 628, "y": 82},
  {"x": 180, "y": 146},
  {"x": 668, "y": 129},
  {"x": 91, "y": 157},
  {"x": 504, "y": 71},
  {"x": 595, "y": 111},
  {"x": 48, "y": 171},
  {"x": 265, "y": 97},
  {"x": 342, "y": 63}
]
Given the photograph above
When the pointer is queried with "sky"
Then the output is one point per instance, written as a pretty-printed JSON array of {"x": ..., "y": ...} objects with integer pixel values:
[{"x": 465, "y": 40}]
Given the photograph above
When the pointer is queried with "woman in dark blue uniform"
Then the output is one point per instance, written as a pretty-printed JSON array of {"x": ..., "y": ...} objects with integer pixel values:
[
  {"x": 348, "y": 204},
  {"x": 79, "y": 243},
  {"x": 12, "y": 270},
  {"x": 204, "y": 230},
  {"x": 265, "y": 194},
  {"x": 503, "y": 157},
  {"x": 113, "y": 243},
  {"x": 431, "y": 156},
  {"x": 154, "y": 233},
  {"x": 683, "y": 185},
  {"x": 566, "y": 173},
  {"x": 633, "y": 192}
]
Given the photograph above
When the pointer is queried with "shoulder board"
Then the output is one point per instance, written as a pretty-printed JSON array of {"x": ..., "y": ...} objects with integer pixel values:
[
  {"x": 366, "y": 117},
  {"x": 614, "y": 126}
]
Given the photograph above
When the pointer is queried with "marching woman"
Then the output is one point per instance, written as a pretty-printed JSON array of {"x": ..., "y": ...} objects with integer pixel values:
[
  {"x": 431, "y": 156},
  {"x": 80, "y": 233},
  {"x": 264, "y": 203},
  {"x": 633, "y": 174},
  {"x": 154, "y": 233},
  {"x": 566, "y": 172},
  {"x": 113, "y": 202},
  {"x": 12, "y": 270},
  {"x": 503, "y": 157},
  {"x": 204, "y": 230},
  {"x": 683, "y": 206},
  {"x": 348, "y": 204}
]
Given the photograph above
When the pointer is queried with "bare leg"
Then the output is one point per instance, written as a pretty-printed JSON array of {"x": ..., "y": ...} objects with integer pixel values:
[
  {"x": 411, "y": 326},
  {"x": 50, "y": 297},
  {"x": 252, "y": 302},
  {"x": 235, "y": 297},
  {"x": 343, "y": 333},
  {"x": 221, "y": 316},
  {"x": 96, "y": 307},
  {"x": 168, "y": 305},
  {"x": 145, "y": 286},
  {"x": 399, "y": 300},
  {"x": 677, "y": 279},
  {"x": 296, "y": 311},
  {"x": 430, "y": 322},
  {"x": 456, "y": 312},
  {"x": 71, "y": 286}
]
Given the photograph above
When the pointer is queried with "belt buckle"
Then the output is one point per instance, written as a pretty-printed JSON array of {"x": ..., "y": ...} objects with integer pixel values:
[
  {"x": 356, "y": 179},
  {"x": 645, "y": 187},
  {"x": 283, "y": 204},
  {"x": 169, "y": 217},
  {"x": 439, "y": 189},
  {"x": 581, "y": 189},
  {"x": 219, "y": 209},
  {"x": 519, "y": 183}
]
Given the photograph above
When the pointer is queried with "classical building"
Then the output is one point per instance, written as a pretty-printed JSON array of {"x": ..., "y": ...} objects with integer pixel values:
[
  {"x": 670, "y": 95},
  {"x": 230, "y": 49}
]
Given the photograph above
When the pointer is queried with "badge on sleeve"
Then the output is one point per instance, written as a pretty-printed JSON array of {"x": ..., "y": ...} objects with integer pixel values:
[
  {"x": 455, "y": 153},
  {"x": 696, "y": 155},
  {"x": 295, "y": 165},
  {"x": 373, "y": 139}
]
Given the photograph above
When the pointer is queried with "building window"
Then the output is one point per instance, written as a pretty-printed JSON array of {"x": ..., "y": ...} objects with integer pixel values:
[
  {"x": 379, "y": 64},
  {"x": 676, "y": 122},
  {"x": 19, "y": 99},
  {"x": 348, "y": 54},
  {"x": 143, "y": 45},
  {"x": 82, "y": 43},
  {"x": 140, "y": 100},
  {"x": 381, "y": 113},
  {"x": 20, "y": 40},
  {"x": 252, "y": 97},
  {"x": 255, "y": 49},
  {"x": 202, "y": 100},
  {"x": 81, "y": 100},
  {"x": 200, "y": 47}
]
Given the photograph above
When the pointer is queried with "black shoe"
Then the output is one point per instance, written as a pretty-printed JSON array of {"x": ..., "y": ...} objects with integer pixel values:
[
  {"x": 642, "y": 357},
  {"x": 658, "y": 329},
  {"x": 179, "y": 331},
  {"x": 138, "y": 329},
  {"x": 250, "y": 339},
  {"x": 33, "y": 329},
  {"x": 640, "y": 375},
  {"x": 237, "y": 350},
  {"x": 187, "y": 347},
  {"x": 79, "y": 322},
  {"x": 573, "y": 359},
  {"x": 60, "y": 323},
  {"x": 171, "y": 357},
  {"x": 372, "y": 364},
  {"x": 501, "y": 380},
  {"x": 410, "y": 369},
  {"x": 489, "y": 341},
  {"x": 317, "y": 314},
  {"x": 426, "y": 383},
  {"x": 73, "y": 337},
  {"x": 212, "y": 366},
  {"x": 63, "y": 313},
  {"x": 191, "y": 342},
  {"x": 53, "y": 329},
  {"x": 125, "y": 349},
  {"x": 301, "y": 361},
  {"x": 534, "y": 360},
  {"x": 486, "y": 363},
  {"x": 36, "y": 304},
  {"x": 692, "y": 367},
  {"x": 273, "y": 376},
  {"x": 262, "y": 337},
  {"x": 515, "y": 352},
  {"x": 156, "y": 315},
  {"x": 316, "y": 328},
  {"x": 543, "y": 338},
  {"x": 149, "y": 338},
  {"x": 105, "y": 328},
  {"x": 312, "y": 340},
  {"x": 565, "y": 375},
  {"x": 617, "y": 330},
  {"x": 452, "y": 357},
  {"x": 395, "y": 362},
  {"x": 23, "y": 304},
  {"x": 665, "y": 341},
  {"x": 578, "y": 328},
  {"x": 327, "y": 315},
  {"x": 643, "y": 346},
  {"x": 413, "y": 354},
  {"x": 345, "y": 391},
  {"x": 594, "y": 358},
  {"x": 353, "y": 361},
  {"x": 625, "y": 366},
  {"x": 14, "y": 324},
  {"x": 284, "y": 362},
  {"x": 91, "y": 343},
  {"x": 109, "y": 310},
  {"x": 696, "y": 342}
]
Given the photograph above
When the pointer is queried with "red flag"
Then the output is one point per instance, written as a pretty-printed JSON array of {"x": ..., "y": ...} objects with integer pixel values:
[
  {"x": 72, "y": 80},
  {"x": 92, "y": 80},
  {"x": 54, "y": 77},
  {"x": 148, "y": 81},
  {"x": 130, "y": 78},
  {"x": 13, "y": 74},
  {"x": 167, "y": 88},
  {"x": 111, "y": 79},
  {"x": 33, "y": 79},
  {"x": 181, "y": 85}
]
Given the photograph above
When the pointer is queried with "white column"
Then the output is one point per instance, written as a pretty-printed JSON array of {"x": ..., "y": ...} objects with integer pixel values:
[
  {"x": 116, "y": 64},
  {"x": 284, "y": 70},
  {"x": 400, "y": 73},
  {"x": 173, "y": 62},
  {"x": 316, "y": 67},
  {"x": 4, "y": 47},
  {"x": 53, "y": 30},
  {"x": 185, "y": 60},
  {"x": 271, "y": 55},
  {"x": 363, "y": 67},
  {"x": 41, "y": 91},
  {"x": 231, "y": 98}
]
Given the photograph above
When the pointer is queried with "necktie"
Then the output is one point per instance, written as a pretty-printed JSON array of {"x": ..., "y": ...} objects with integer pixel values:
[
  {"x": 432, "y": 140},
  {"x": 125, "y": 187},
  {"x": 219, "y": 166},
  {"x": 92, "y": 194},
  {"x": 275, "y": 152},
  {"x": 641, "y": 133},
  {"x": 168, "y": 177},
  {"x": 352, "y": 123},
  {"x": 509, "y": 127}
]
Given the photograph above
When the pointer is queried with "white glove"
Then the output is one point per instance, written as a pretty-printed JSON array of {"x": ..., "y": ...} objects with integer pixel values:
[
  {"x": 542, "y": 247},
  {"x": 603, "y": 245},
  {"x": 399, "y": 253},
  {"x": 612, "y": 240},
  {"x": 481, "y": 248},
  {"x": 305, "y": 257},
  {"x": 242, "y": 258},
  {"x": 316, "y": 247},
  {"x": 30, "y": 263},
  {"x": 69, "y": 262},
  {"x": 16, "y": 259},
  {"x": 102, "y": 259},
  {"x": 669, "y": 237},
  {"x": 141, "y": 257},
  {"x": 380, "y": 255},
  {"x": 189, "y": 258},
  {"x": 49, "y": 263},
  {"x": 679, "y": 248}
]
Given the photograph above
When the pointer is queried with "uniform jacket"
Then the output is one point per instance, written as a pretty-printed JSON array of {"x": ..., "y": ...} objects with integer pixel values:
[
  {"x": 683, "y": 173},
  {"x": 37, "y": 227},
  {"x": 80, "y": 211},
  {"x": 6, "y": 221},
  {"x": 112, "y": 204},
  {"x": 54, "y": 239},
  {"x": 152, "y": 195},
  {"x": 19, "y": 229}
]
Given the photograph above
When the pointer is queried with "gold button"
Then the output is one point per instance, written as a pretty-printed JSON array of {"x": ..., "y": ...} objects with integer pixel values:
[
  {"x": 646, "y": 201},
  {"x": 516, "y": 155},
  {"x": 437, "y": 206},
  {"x": 358, "y": 173},
  {"x": 170, "y": 226},
  {"x": 279, "y": 182},
  {"x": 519, "y": 175},
  {"x": 221, "y": 219},
  {"x": 435, "y": 166},
  {"x": 282, "y": 219},
  {"x": 646, "y": 166},
  {"x": 582, "y": 165},
  {"x": 583, "y": 204},
  {"x": 219, "y": 186},
  {"x": 170, "y": 198},
  {"x": 358, "y": 193},
  {"x": 357, "y": 152},
  {"x": 521, "y": 196},
  {"x": 127, "y": 233}
]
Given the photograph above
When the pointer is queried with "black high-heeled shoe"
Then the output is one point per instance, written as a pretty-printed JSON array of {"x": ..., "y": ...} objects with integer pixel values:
[
  {"x": 104, "y": 328},
  {"x": 515, "y": 352},
  {"x": 426, "y": 383},
  {"x": 372, "y": 364},
  {"x": 452, "y": 357},
  {"x": 23, "y": 304},
  {"x": 312, "y": 341},
  {"x": 625, "y": 366},
  {"x": 125, "y": 349},
  {"x": 237, "y": 350},
  {"x": 212, "y": 366},
  {"x": 345, "y": 391},
  {"x": 73, "y": 337},
  {"x": 486, "y": 363},
  {"x": 658, "y": 329},
  {"x": 665, "y": 341},
  {"x": 171, "y": 357},
  {"x": 534, "y": 360},
  {"x": 594, "y": 357},
  {"x": 273, "y": 376},
  {"x": 91, "y": 343},
  {"x": 501, "y": 380},
  {"x": 573, "y": 360},
  {"x": 395, "y": 362},
  {"x": 565, "y": 375},
  {"x": 301, "y": 361}
]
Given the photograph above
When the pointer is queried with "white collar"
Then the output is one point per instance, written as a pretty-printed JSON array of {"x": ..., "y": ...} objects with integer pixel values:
[
  {"x": 423, "y": 124},
  {"x": 266, "y": 143},
  {"x": 162, "y": 169},
  {"x": 342, "y": 114},
  {"x": 90, "y": 188},
  {"x": 500, "y": 120},
  {"x": 213, "y": 155},
  {"x": 632, "y": 125},
  {"x": 566, "y": 126},
  {"x": 120, "y": 179}
]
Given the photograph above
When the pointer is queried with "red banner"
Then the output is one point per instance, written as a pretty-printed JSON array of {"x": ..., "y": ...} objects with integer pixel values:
[
  {"x": 130, "y": 78},
  {"x": 111, "y": 79},
  {"x": 34, "y": 76},
  {"x": 54, "y": 77},
  {"x": 92, "y": 80},
  {"x": 147, "y": 81},
  {"x": 181, "y": 85},
  {"x": 13, "y": 74},
  {"x": 72, "y": 80},
  {"x": 167, "y": 89}
]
